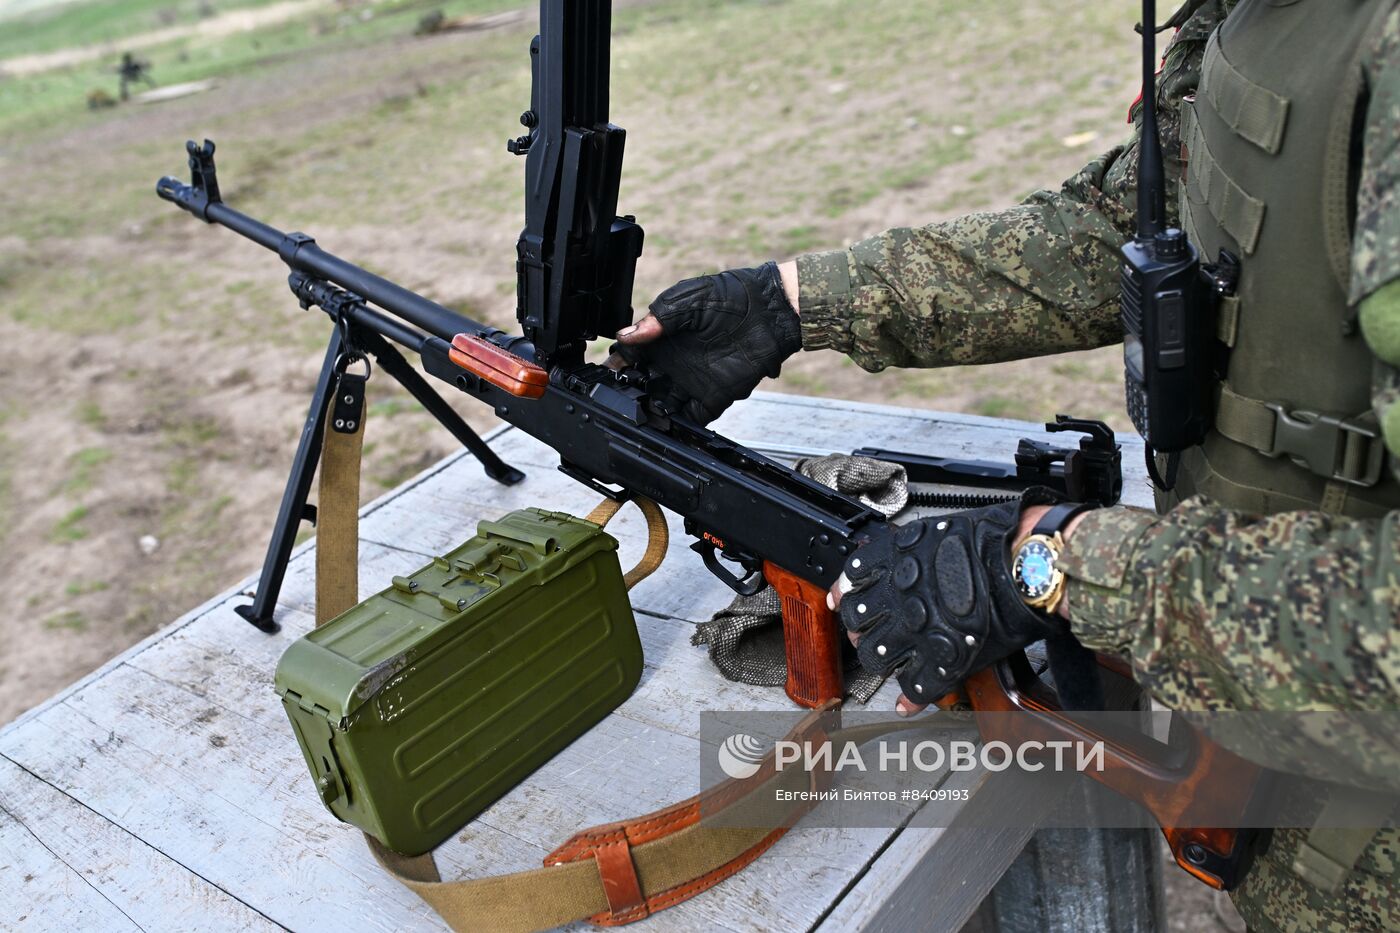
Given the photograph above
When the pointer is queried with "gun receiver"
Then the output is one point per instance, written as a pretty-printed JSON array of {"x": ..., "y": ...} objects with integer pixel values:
[{"x": 752, "y": 518}]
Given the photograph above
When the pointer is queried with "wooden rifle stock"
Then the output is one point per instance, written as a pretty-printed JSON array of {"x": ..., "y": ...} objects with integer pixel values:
[{"x": 1185, "y": 786}]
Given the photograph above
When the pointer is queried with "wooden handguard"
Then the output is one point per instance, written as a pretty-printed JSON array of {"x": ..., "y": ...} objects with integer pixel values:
[
  {"x": 1195, "y": 783},
  {"x": 811, "y": 639},
  {"x": 498, "y": 366}
]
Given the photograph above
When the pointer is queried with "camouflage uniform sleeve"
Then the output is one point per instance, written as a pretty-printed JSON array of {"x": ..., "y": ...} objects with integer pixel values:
[
  {"x": 1297, "y": 610},
  {"x": 1375, "y": 282},
  {"x": 1038, "y": 278}
]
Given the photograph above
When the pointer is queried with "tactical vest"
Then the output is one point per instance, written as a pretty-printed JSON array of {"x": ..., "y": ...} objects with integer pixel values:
[{"x": 1270, "y": 174}]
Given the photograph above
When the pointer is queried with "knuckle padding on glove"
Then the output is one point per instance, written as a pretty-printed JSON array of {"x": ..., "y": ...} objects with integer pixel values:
[{"x": 939, "y": 601}]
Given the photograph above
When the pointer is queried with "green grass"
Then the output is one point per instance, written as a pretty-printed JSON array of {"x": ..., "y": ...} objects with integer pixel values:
[
  {"x": 90, "y": 414},
  {"x": 71, "y": 25},
  {"x": 70, "y": 527},
  {"x": 996, "y": 406},
  {"x": 34, "y": 102},
  {"x": 83, "y": 467},
  {"x": 83, "y": 589},
  {"x": 71, "y": 620}
]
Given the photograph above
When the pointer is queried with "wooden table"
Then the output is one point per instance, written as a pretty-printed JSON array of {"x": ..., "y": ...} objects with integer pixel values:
[{"x": 165, "y": 791}]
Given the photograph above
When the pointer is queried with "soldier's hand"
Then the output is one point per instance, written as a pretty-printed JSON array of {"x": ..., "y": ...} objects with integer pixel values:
[
  {"x": 933, "y": 600},
  {"x": 713, "y": 338}
]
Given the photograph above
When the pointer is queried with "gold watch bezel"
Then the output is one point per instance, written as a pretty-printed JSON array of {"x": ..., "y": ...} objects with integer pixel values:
[{"x": 1048, "y": 601}]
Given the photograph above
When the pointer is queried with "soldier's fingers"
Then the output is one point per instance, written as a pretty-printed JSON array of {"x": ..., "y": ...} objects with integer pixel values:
[
  {"x": 644, "y": 331},
  {"x": 840, "y": 588},
  {"x": 907, "y": 707}
]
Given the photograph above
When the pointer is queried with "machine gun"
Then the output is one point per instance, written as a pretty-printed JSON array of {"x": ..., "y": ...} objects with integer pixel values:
[{"x": 753, "y": 518}]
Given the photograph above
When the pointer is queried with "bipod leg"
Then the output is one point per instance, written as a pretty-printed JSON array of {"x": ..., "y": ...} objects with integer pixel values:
[
  {"x": 393, "y": 363},
  {"x": 294, "y": 510}
]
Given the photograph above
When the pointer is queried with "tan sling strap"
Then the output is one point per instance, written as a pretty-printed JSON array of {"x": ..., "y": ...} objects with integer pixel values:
[
  {"x": 620, "y": 872},
  {"x": 338, "y": 503},
  {"x": 610, "y": 874},
  {"x": 658, "y": 535}
]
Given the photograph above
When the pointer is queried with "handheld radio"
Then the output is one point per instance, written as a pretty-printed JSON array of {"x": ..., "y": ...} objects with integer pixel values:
[{"x": 1166, "y": 306}]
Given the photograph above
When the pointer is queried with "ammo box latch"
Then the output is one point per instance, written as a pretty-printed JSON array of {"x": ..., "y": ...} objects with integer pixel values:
[{"x": 314, "y": 729}]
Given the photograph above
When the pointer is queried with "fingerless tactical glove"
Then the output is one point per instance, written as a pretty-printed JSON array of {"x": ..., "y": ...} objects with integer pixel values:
[
  {"x": 934, "y": 599},
  {"x": 722, "y": 335}
]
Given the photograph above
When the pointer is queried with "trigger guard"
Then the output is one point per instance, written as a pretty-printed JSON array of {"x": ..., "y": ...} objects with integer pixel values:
[{"x": 745, "y": 586}]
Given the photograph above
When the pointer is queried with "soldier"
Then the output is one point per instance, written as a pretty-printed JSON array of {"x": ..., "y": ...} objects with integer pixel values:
[
  {"x": 131, "y": 70},
  {"x": 1270, "y": 579}
]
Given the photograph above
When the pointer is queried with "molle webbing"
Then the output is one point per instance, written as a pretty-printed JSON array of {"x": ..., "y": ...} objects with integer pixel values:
[
  {"x": 1251, "y": 110},
  {"x": 1206, "y": 183}
]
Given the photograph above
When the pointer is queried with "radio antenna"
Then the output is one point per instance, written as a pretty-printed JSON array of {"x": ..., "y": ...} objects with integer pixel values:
[{"x": 1151, "y": 194}]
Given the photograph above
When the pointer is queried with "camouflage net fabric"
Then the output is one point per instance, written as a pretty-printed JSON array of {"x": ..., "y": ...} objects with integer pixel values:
[{"x": 745, "y": 638}]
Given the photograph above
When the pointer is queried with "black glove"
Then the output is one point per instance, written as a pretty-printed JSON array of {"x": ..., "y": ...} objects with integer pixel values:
[
  {"x": 722, "y": 334},
  {"x": 934, "y": 598}
]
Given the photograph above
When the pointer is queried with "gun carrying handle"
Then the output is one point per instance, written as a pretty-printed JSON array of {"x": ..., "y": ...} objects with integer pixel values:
[
  {"x": 811, "y": 639},
  {"x": 1185, "y": 787}
]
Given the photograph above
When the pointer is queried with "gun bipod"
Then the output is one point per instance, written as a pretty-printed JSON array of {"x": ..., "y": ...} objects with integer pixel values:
[{"x": 348, "y": 340}]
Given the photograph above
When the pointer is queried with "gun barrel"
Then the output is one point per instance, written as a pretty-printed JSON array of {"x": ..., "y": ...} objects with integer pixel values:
[{"x": 301, "y": 253}]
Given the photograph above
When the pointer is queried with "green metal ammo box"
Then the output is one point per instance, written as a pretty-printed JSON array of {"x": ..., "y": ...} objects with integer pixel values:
[{"x": 422, "y": 705}]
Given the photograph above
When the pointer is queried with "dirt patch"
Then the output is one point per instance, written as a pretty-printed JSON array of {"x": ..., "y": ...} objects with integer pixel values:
[{"x": 216, "y": 27}]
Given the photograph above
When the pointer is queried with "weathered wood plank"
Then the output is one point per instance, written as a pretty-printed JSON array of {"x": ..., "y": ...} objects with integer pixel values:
[
  {"x": 214, "y": 790},
  {"x": 146, "y": 887},
  {"x": 949, "y": 856},
  {"x": 39, "y": 891}
]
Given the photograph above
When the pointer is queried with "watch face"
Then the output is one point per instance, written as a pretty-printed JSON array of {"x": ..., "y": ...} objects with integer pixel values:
[{"x": 1034, "y": 569}]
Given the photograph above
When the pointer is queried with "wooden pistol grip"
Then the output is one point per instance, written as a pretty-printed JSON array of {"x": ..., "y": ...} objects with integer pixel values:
[
  {"x": 1186, "y": 787},
  {"x": 811, "y": 639},
  {"x": 498, "y": 366}
]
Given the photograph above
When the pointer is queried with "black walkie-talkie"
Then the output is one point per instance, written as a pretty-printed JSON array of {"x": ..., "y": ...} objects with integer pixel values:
[{"x": 1167, "y": 311}]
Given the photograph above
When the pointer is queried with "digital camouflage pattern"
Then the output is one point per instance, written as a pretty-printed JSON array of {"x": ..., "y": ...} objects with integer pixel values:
[{"x": 1217, "y": 609}]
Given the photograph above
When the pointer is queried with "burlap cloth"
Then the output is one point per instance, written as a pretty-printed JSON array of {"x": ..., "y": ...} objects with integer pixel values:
[{"x": 745, "y": 639}]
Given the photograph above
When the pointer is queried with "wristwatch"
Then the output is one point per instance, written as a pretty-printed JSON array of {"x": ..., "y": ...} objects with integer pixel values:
[{"x": 1033, "y": 571}]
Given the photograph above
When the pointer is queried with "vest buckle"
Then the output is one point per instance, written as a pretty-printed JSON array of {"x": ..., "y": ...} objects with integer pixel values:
[{"x": 1348, "y": 450}]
